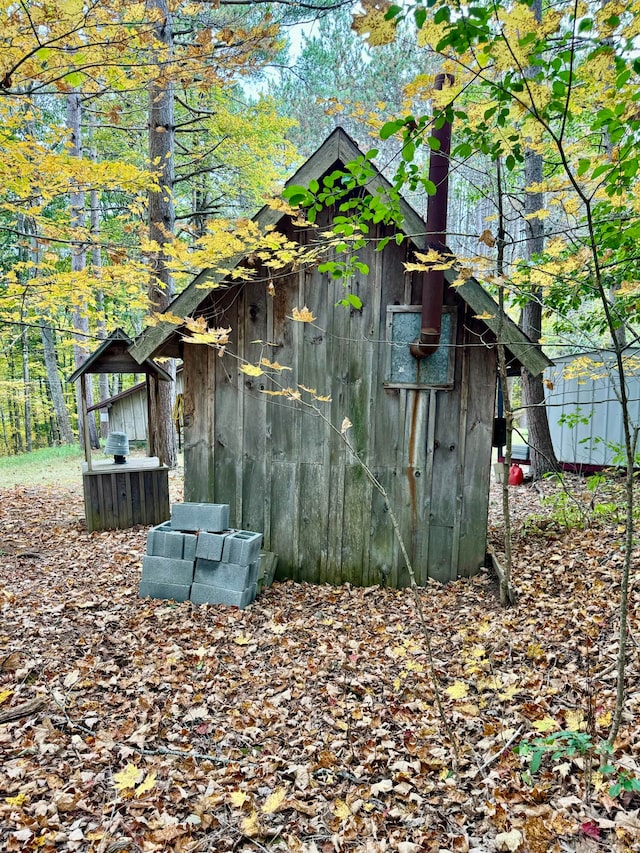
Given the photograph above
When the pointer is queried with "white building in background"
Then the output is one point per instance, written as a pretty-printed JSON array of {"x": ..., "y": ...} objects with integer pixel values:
[{"x": 585, "y": 416}]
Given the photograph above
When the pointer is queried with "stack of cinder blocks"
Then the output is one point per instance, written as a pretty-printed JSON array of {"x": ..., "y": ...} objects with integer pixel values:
[{"x": 195, "y": 556}]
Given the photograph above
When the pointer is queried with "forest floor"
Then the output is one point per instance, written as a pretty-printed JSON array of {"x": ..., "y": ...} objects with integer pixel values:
[{"x": 309, "y": 721}]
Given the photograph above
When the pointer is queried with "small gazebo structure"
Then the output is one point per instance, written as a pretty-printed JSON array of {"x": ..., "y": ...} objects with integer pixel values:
[{"x": 136, "y": 492}]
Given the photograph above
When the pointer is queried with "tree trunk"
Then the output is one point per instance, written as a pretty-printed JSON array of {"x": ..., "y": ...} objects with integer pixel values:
[
  {"x": 96, "y": 266},
  {"x": 26, "y": 384},
  {"x": 78, "y": 262},
  {"x": 543, "y": 458},
  {"x": 55, "y": 385},
  {"x": 162, "y": 215}
]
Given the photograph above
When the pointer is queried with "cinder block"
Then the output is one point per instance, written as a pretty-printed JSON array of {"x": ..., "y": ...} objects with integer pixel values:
[
  {"x": 153, "y": 535},
  {"x": 206, "y": 594},
  {"x": 173, "y": 591},
  {"x": 242, "y": 547},
  {"x": 226, "y": 575},
  {"x": 190, "y": 545},
  {"x": 210, "y": 545},
  {"x": 199, "y": 516},
  {"x": 162, "y": 541},
  {"x": 166, "y": 570},
  {"x": 205, "y": 571}
]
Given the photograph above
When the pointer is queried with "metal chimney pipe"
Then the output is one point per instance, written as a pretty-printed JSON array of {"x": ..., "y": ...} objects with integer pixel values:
[{"x": 433, "y": 280}]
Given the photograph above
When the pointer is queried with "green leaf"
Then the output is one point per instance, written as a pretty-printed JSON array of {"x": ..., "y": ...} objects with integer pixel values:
[
  {"x": 583, "y": 165},
  {"x": 420, "y": 15},
  {"x": 387, "y": 130},
  {"x": 408, "y": 151},
  {"x": 536, "y": 761},
  {"x": 429, "y": 187}
]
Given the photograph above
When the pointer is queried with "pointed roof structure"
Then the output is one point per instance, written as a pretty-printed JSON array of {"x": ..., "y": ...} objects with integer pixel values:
[
  {"x": 335, "y": 152},
  {"x": 113, "y": 356}
]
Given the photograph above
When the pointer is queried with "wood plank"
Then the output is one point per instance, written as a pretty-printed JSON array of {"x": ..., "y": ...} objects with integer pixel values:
[
  {"x": 313, "y": 521},
  {"x": 284, "y": 496},
  {"x": 225, "y": 438},
  {"x": 199, "y": 413},
  {"x": 142, "y": 495},
  {"x": 372, "y": 311},
  {"x": 254, "y": 451},
  {"x": 338, "y": 322},
  {"x": 285, "y": 432},
  {"x": 477, "y": 462}
]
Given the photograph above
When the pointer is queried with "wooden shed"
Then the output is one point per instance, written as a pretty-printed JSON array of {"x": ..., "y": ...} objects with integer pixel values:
[
  {"x": 423, "y": 426},
  {"x": 128, "y": 411}
]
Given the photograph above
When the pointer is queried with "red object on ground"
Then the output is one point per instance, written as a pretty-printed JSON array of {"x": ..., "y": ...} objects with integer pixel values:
[{"x": 516, "y": 475}]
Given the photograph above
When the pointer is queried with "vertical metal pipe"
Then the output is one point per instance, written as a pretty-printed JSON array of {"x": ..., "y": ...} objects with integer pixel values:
[{"x": 433, "y": 280}]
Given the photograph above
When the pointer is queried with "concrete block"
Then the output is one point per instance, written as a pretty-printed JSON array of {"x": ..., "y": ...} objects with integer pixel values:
[
  {"x": 210, "y": 545},
  {"x": 205, "y": 570},
  {"x": 206, "y": 594},
  {"x": 163, "y": 541},
  {"x": 226, "y": 575},
  {"x": 200, "y": 516},
  {"x": 190, "y": 545},
  {"x": 166, "y": 570},
  {"x": 170, "y": 591},
  {"x": 242, "y": 547},
  {"x": 152, "y": 536}
]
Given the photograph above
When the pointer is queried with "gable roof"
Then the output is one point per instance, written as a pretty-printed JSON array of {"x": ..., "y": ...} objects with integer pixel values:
[
  {"x": 113, "y": 356},
  {"x": 336, "y": 151}
]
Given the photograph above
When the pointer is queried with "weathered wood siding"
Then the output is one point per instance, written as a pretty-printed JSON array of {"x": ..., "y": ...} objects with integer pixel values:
[
  {"x": 128, "y": 411},
  {"x": 285, "y": 472},
  {"x": 124, "y": 498}
]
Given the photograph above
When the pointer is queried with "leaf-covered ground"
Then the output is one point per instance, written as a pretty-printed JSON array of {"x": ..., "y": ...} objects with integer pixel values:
[{"x": 308, "y": 722}]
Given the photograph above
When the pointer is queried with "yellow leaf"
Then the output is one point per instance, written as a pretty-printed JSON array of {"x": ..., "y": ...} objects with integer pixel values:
[
  {"x": 346, "y": 426},
  {"x": 372, "y": 24},
  {"x": 458, "y": 690},
  {"x": 4, "y": 695},
  {"x": 251, "y": 369},
  {"x": 274, "y": 801},
  {"x": 242, "y": 640},
  {"x": 127, "y": 778},
  {"x": 238, "y": 798},
  {"x": 575, "y": 721},
  {"x": 250, "y": 825},
  {"x": 302, "y": 315},
  {"x": 546, "y": 724},
  {"x": 341, "y": 810},
  {"x": 18, "y": 800},
  {"x": 604, "y": 720},
  {"x": 274, "y": 365},
  {"x": 148, "y": 784}
]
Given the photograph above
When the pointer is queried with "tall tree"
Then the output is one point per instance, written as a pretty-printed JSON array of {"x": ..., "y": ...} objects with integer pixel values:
[
  {"x": 78, "y": 261},
  {"x": 543, "y": 457}
]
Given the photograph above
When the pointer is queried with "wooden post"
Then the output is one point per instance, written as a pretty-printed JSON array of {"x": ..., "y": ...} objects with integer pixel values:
[
  {"x": 85, "y": 422},
  {"x": 151, "y": 435}
]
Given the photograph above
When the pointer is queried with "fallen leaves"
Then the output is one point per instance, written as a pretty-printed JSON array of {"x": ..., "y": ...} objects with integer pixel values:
[{"x": 307, "y": 722}]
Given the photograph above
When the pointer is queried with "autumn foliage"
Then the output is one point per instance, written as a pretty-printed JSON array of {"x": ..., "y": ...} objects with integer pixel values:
[{"x": 306, "y": 722}]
